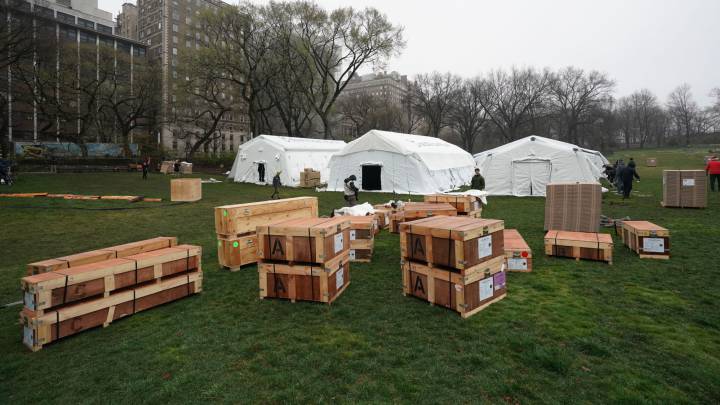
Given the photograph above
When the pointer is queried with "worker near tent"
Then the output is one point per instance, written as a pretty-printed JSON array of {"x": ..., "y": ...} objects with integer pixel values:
[
  {"x": 626, "y": 177},
  {"x": 619, "y": 167},
  {"x": 276, "y": 186},
  {"x": 145, "y": 167},
  {"x": 713, "y": 170},
  {"x": 610, "y": 173},
  {"x": 350, "y": 192},
  {"x": 478, "y": 181},
  {"x": 261, "y": 172},
  {"x": 176, "y": 167}
]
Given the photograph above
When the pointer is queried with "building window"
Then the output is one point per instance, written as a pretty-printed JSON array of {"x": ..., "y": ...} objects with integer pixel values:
[
  {"x": 175, "y": 28},
  {"x": 174, "y": 142},
  {"x": 66, "y": 18},
  {"x": 87, "y": 38},
  {"x": 85, "y": 23},
  {"x": 188, "y": 21},
  {"x": 188, "y": 44},
  {"x": 104, "y": 28},
  {"x": 174, "y": 51},
  {"x": 175, "y": 39}
]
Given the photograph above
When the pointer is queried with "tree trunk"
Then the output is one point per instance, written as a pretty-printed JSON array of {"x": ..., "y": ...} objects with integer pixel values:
[{"x": 326, "y": 127}]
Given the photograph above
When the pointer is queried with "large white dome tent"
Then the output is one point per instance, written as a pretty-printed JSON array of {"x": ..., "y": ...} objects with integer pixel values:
[
  {"x": 290, "y": 155},
  {"x": 523, "y": 167},
  {"x": 401, "y": 163}
]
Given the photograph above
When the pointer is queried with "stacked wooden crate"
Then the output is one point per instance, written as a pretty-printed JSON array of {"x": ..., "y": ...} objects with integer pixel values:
[
  {"x": 651, "y": 162},
  {"x": 167, "y": 166},
  {"x": 63, "y": 301},
  {"x": 304, "y": 259},
  {"x": 415, "y": 210},
  {"x": 518, "y": 255},
  {"x": 466, "y": 205},
  {"x": 309, "y": 178},
  {"x": 573, "y": 207},
  {"x": 684, "y": 188},
  {"x": 579, "y": 245},
  {"x": 185, "y": 190},
  {"x": 362, "y": 237},
  {"x": 648, "y": 240},
  {"x": 383, "y": 214},
  {"x": 456, "y": 262},
  {"x": 236, "y": 226}
]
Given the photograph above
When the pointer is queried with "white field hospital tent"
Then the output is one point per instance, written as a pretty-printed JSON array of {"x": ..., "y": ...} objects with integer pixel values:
[
  {"x": 281, "y": 153},
  {"x": 401, "y": 163},
  {"x": 524, "y": 167}
]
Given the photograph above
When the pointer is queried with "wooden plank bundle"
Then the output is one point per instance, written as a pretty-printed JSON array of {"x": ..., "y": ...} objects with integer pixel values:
[
  {"x": 579, "y": 245},
  {"x": 309, "y": 178},
  {"x": 651, "y": 162},
  {"x": 304, "y": 259},
  {"x": 236, "y": 226},
  {"x": 573, "y": 207},
  {"x": 362, "y": 237},
  {"x": 518, "y": 255},
  {"x": 468, "y": 205},
  {"x": 648, "y": 240},
  {"x": 68, "y": 300},
  {"x": 24, "y": 195},
  {"x": 684, "y": 188},
  {"x": 414, "y": 210},
  {"x": 186, "y": 190}
]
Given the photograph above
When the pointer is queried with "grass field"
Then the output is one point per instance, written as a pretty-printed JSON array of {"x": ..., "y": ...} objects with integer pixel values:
[{"x": 637, "y": 331}]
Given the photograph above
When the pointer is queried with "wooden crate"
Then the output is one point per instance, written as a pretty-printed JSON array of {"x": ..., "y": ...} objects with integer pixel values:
[
  {"x": 573, "y": 206},
  {"x": 41, "y": 329},
  {"x": 63, "y": 286},
  {"x": 648, "y": 240},
  {"x": 307, "y": 240},
  {"x": 412, "y": 211},
  {"x": 305, "y": 282},
  {"x": 460, "y": 243},
  {"x": 240, "y": 219},
  {"x": 167, "y": 166},
  {"x": 462, "y": 203},
  {"x": 684, "y": 188},
  {"x": 383, "y": 216},
  {"x": 362, "y": 237},
  {"x": 651, "y": 162},
  {"x": 185, "y": 190},
  {"x": 361, "y": 255},
  {"x": 518, "y": 255},
  {"x": 473, "y": 214},
  {"x": 95, "y": 256},
  {"x": 466, "y": 294},
  {"x": 579, "y": 245},
  {"x": 235, "y": 252}
]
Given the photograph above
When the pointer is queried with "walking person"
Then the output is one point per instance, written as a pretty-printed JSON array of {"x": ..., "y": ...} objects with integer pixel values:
[
  {"x": 626, "y": 178},
  {"x": 276, "y": 186},
  {"x": 350, "y": 192},
  {"x": 713, "y": 170},
  {"x": 145, "y": 168},
  {"x": 261, "y": 172},
  {"x": 176, "y": 167},
  {"x": 478, "y": 181},
  {"x": 619, "y": 167},
  {"x": 610, "y": 173}
]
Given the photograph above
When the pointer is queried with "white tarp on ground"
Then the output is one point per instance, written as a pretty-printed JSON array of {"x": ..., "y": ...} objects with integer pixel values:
[
  {"x": 401, "y": 163},
  {"x": 281, "y": 153},
  {"x": 525, "y": 166}
]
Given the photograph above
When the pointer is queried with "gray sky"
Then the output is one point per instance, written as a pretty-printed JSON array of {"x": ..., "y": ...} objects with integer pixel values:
[{"x": 640, "y": 43}]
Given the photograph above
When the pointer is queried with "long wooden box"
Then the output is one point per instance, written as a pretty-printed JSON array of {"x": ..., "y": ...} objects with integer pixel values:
[
  {"x": 241, "y": 219},
  {"x": 467, "y": 294},
  {"x": 64, "y": 286},
  {"x": 412, "y": 211},
  {"x": 573, "y": 207},
  {"x": 235, "y": 252},
  {"x": 518, "y": 255},
  {"x": 185, "y": 190},
  {"x": 99, "y": 255},
  {"x": 648, "y": 240},
  {"x": 308, "y": 240},
  {"x": 684, "y": 188},
  {"x": 305, "y": 282},
  {"x": 462, "y": 203},
  {"x": 579, "y": 245},
  {"x": 453, "y": 242},
  {"x": 39, "y": 330}
]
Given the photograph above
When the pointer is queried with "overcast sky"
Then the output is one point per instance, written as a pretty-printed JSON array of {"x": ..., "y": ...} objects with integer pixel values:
[{"x": 654, "y": 44}]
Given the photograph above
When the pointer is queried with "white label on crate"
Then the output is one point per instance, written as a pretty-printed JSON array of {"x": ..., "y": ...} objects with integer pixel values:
[
  {"x": 387, "y": 219},
  {"x": 352, "y": 254},
  {"x": 654, "y": 245},
  {"x": 486, "y": 288},
  {"x": 28, "y": 336},
  {"x": 517, "y": 264},
  {"x": 339, "y": 243},
  {"x": 688, "y": 182},
  {"x": 29, "y": 300},
  {"x": 352, "y": 234},
  {"x": 484, "y": 246},
  {"x": 476, "y": 205},
  {"x": 339, "y": 279}
]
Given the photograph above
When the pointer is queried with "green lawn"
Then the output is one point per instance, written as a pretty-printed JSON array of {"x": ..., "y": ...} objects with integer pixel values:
[{"x": 637, "y": 331}]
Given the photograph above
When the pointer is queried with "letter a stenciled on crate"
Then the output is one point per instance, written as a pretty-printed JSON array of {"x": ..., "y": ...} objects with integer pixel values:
[
  {"x": 419, "y": 286},
  {"x": 418, "y": 247},
  {"x": 277, "y": 246},
  {"x": 279, "y": 286}
]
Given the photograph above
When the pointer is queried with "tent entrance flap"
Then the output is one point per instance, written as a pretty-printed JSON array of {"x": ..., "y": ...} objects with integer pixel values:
[
  {"x": 371, "y": 177},
  {"x": 530, "y": 177}
]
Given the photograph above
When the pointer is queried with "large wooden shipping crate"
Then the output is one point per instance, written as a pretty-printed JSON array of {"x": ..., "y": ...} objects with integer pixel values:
[
  {"x": 308, "y": 240},
  {"x": 412, "y": 211},
  {"x": 648, "y": 240},
  {"x": 452, "y": 242},
  {"x": 574, "y": 207},
  {"x": 235, "y": 252},
  {"x": 464, "y": 204},
  {"x": 518, "y": 255},
  {"x": 310, "y": 178},
  {"x": 188, "y": 190},
  {"x": 362, "y": 237},
  {"x": 651, "y": 162},
  {"x": 383, "y": 215},
  {"x": 684, "y": 188},
  {"x": 579, "y": 245}
]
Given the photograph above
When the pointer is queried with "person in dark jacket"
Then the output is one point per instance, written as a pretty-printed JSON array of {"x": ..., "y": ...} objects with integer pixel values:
[
  {"x": 626, "y": 176},
  {"x": 610, "y": 173},
  {"x": 261, "y": 172},
  {"x": 145, "y": 167},
  {"x": 350, "y": 191},
  {"x": 619, "y": 167},
  {"x": 478, "y": 181},
  {"x": 276, "y": 186}
]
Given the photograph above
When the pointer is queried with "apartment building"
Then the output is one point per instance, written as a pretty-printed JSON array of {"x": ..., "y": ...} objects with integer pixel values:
[{"x": 127, "y": 21}]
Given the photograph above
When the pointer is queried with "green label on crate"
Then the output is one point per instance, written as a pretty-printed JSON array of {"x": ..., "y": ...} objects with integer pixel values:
[
  {"x": 235, "y": 244},
  {"x": 224, "y": 213},
  {"x": 219, "y": 243}
]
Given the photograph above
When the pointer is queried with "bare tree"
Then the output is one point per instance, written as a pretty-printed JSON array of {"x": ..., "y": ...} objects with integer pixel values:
[
  {"x": 641, "y": 118},
  {"x": 467, "y": 116},
  {"x": 433, "y": 96},
  {"x": 410, "y": 120},
  {"x": 684, "y": 111}
]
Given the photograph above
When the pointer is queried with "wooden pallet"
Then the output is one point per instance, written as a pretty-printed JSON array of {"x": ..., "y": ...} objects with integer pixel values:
[
  {"x": 41, "y": 329},
  {"x": 466, "y": 295},
  {"x": 453, "y": 242},
  {"x": 186, "y": 190},
  {"x": 305, "y": 282},
  {"x": 648, "y": 240},
  {"x": 518, "y": 255},
  {"x": 237, "y": 252},
  {"x": 579, "y": 245},
  {"x": 307, "y": 240},
  {"x": 361, "y": 255},
  {"x": 362, "y": 237},
  {"x": 464, "y": 204}
]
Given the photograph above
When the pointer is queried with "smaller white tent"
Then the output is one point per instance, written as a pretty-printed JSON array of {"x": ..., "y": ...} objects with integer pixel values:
[
  {"x": 401, "y": 163},
  {"x": 524, "y": 167},
  {"x": 282, "y": 153}
]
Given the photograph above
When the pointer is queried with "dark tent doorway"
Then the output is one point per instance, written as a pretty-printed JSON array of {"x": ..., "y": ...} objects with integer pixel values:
[{"x": 371, "y": 177}]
